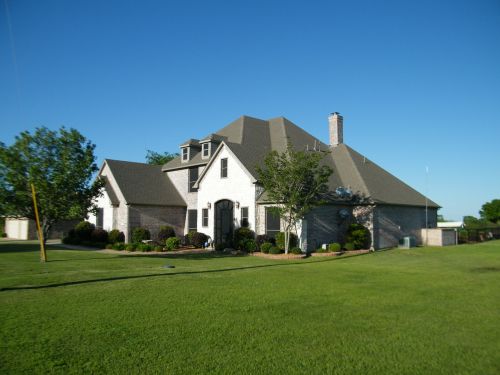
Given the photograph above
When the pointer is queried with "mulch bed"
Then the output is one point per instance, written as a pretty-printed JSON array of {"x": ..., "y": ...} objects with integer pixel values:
[
  {"x": 279, "y": 256},
  {"x": 338, "y": 253}
]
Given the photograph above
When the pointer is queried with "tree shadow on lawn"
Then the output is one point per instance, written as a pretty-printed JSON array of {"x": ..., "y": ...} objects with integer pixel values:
[
  {"x": 20, "y": 247},
  {"x": 117, "y": 278}
]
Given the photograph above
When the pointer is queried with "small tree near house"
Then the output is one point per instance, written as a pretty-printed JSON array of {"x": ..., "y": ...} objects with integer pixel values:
[
  {"x": 61, "y": 165},
  {"x": 296, "y": 182}
]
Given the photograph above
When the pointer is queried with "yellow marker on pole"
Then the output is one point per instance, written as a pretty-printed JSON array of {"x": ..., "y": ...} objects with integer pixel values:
[{"x": 43, "y": 254}]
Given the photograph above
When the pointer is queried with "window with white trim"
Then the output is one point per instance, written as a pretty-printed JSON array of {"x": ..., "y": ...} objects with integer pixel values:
[
  {"x": 223, "y": 167},
  {"x": 205, "y": 150},
  {"x": 204, "y": 217},
  {"x": 244, "y": 217},
  {"x": 185, "y": 154}
]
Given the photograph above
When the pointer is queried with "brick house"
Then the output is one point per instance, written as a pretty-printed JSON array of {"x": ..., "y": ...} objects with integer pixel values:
[{"x": 212, "y": 187}]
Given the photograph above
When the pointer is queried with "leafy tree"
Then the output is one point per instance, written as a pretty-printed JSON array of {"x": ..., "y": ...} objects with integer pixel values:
[
  {"x": 296, "y": 182},
  {"x": 60, "y": 164},
  {"x": 155, "y": 158},
  {"x": 491, "y": 211},
  {"x": 474, "y": 222}
]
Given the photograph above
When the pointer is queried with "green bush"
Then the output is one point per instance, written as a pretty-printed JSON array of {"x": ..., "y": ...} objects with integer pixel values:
[
  {"x": 83, "y": 230},
  {"x": 359, "y": 236},
  {"x": 99, "y": 235},
  {"x": 115, "y": 236},
  {"x": 275, "y": 250},
  {"x": 296, "y": 250},
  {"x": 109, "y": 246},
  {"x": 140, "y": 234},
  {"x": 119, "y": 246},
  {"x": 172, "y": 243},
  {"x": 158, "y": 248},
  {"x": 334, "y": 247},
  {"x": 165, "y": 233},
  {"x": 262, "y": 238},
  {"x": 280, "y": 240},
  {"x": 250, "y": 246},
  {"x": 144, "y": 247},
  {"x": 198, "y": 239},
  {"x": 241, "y": 235},
  {"x": 265, "y": 247},
  {"x": 349, "y": 246},
  {"x": 130, "y": 247}
]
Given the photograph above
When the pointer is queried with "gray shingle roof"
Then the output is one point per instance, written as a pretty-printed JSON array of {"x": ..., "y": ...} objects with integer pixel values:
[
  {"x": 251, "y": 139},
  {"x": 144, "y": 184}
]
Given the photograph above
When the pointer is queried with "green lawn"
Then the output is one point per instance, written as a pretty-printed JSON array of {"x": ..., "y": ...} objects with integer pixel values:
[{"x": 419, "y": 311}]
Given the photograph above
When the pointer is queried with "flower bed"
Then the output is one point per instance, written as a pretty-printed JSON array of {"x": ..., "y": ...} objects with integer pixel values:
[{"x": 279, "y": 256}]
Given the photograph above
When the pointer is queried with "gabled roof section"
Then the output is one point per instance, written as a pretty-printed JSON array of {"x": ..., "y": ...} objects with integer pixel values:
[
  {"x": 251, "y": 139},
  {"x": 144, "y": 184},
  {"x": 110, "y": 191},
  {"x": 364, "y": 176}
]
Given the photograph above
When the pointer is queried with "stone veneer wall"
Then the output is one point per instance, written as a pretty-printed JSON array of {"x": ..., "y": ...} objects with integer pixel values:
[
  {"x": 391, "y": 223},
  {"x": 153, "y": 217}
]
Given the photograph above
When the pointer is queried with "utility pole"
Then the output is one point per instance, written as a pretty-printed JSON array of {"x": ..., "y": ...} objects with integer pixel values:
[{"x": 43, "y": 253}]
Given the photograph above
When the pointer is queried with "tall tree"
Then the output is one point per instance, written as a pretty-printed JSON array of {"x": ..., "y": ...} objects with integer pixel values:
[
  {"x": 155, "y": 158},
  {"x": 296, "y": 181},
  {"x": 491, "y": 211},
  {"x": 60, "y": 164}
]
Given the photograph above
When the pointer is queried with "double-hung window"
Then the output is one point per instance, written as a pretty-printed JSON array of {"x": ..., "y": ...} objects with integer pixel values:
[
  {"x": 205, "y": 149},
  {"x": 223, "y": 167},
  {"x": 244, "y": 216},
  {"x": 185, "y": 154},
  {"x": 193, "y": 177},
  {"x": 192, "y": 220},
  {"x": 204, "y": 217},
  {"x": 272, "y": 222}
]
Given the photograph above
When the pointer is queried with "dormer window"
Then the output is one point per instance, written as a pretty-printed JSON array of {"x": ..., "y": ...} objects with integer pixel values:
[
  {"x": 205, "y": 150},
  {"x": 185, "y": 154}
]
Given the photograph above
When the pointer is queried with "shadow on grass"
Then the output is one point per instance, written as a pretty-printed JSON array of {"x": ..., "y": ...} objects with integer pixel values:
[{"x": 81, "y": 282}]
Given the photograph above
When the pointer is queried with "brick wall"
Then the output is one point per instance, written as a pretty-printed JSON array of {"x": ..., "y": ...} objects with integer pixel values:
[{"x": 153, "y": 217}]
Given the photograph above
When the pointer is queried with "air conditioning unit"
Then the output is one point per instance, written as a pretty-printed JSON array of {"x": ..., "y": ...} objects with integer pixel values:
[{"x": 407, "y": 242}]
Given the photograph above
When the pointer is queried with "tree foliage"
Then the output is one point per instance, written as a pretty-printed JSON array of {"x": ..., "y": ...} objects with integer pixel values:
[
  {"x": 296, "y": 182},
  {"x": 60, "y": 164},
  {"x": 491, "y": 211},
  {"x": 155, "y": 158}
]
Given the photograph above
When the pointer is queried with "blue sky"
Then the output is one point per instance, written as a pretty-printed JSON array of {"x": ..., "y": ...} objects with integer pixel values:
[{"x": 418, "y": 82}]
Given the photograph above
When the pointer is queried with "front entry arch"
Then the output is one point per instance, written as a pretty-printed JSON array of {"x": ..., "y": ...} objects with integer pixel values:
[{"x": 223, "y": 221}]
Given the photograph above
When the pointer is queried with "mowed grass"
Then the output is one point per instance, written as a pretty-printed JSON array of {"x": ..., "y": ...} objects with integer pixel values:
[{"x": 419, "y": 311}]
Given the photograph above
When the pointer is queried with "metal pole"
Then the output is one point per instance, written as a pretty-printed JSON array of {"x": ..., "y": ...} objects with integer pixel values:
[
  {"x": 426, "y": 205},
  {"x": 43, "y": 254}
]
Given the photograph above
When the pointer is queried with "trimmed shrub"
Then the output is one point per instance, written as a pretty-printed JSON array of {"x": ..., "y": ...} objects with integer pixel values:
[
  {"x": 115, "y": 236},
  {"x": 250, "y": 246},
  {"x": 265, "y": 247},
  {"x": 186, "y": 240},
  {"x": 172, "y": 243},
  {"x": 158, "y": 249},
  {"x": 275, "y": 250},
  {"x": 241, "y": 235},
  {"x": 334, "y": 247},
  {"x": 262, "y": 238},
  {"x": 140, "y": 234},
  {"x": 130, "y": 247},
  {"x": 198, "y": 239},
  {"x": 280, "y": 240},
  {"x": 83, "y": 230},
  {"x": 296, "y": 250},
  {"x": 119, "y": 246},
  {"x": 359, "y": 236},
  {"x": 321, "y": 250},
  {"x": 164, "y": 233},
  {"x": 99, "y": 235},
  {"x": 349, "y": 246},
  {"x": 144, "y": 247},
  {"x": 109, "y": 246}
]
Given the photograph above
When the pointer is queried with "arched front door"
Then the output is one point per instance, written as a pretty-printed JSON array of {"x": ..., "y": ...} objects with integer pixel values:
[{"x": 223, "y": 221}]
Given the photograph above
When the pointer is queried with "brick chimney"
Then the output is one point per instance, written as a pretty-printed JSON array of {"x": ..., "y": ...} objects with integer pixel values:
[{"x": 336, "y": 125}]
